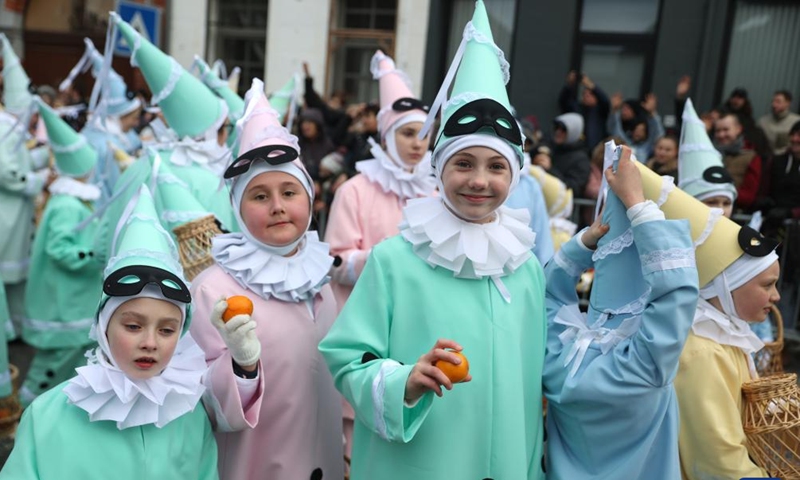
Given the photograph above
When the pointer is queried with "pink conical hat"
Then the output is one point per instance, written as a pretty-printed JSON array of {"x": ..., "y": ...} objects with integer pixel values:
[
  {"x": 260, "y": 130},
  {"x": 394, "y": 85}
]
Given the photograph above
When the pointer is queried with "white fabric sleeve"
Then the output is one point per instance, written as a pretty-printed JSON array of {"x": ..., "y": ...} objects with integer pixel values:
[
  {"x": 643, "y": 212},
  {"x": 247, "y": 388}
]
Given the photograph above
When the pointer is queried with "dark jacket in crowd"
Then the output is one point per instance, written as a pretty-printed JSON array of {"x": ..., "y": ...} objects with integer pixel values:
[{"x": 313, "y": 150}]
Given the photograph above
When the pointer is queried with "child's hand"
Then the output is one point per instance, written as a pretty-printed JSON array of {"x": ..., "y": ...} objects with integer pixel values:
[
  {"x": 425, "y": 376},
  {"x": 626, "y": 182},
  {"x": 594, "y": 233},
  {"x": 239, "y": 335}
]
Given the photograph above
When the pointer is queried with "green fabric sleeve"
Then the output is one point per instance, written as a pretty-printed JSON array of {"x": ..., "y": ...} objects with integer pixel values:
[
  {"x": 62, "y": 242},
  {"x": 22, "y": 463}
]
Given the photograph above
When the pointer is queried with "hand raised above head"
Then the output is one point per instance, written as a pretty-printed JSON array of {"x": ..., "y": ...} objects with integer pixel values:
[{"x": 626, "y": 182}]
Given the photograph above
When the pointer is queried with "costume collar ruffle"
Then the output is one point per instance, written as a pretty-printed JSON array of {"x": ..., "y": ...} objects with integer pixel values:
[
  {"x": 106, "y": 393},
  {"x": 291, "y": 279},
  {"x": 726, "y": 330},
  {"x": 469, "y": 250},
  {"x": 383, "y": 171},
  {"x": 74, "y": 188}
]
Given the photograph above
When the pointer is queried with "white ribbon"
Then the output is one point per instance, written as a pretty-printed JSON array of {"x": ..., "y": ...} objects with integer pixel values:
[{"x": 82, "y": 66}]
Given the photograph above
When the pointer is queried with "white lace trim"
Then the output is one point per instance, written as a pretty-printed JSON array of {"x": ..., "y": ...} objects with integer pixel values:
[
  {"x": 175, "y": 216},
  {"x": 137, "y": 44},
  {"x": 74, "y": 188},
  {"x": 566, "y": 264},
  {"x": 106, "y": 393},
  {"x": 171, "y": 179},
  {"x": 698, "y": 147},
  {"x": 291, "y": 279},
  {"x": 175, "y": 73},
  {"x": 466, "y": 97},
  {"x": 667, "y": 186},
  {"x": 471, "y": 33},
  {"x": 469, "y": 250},
  {"x": 393, "y": 179},
  {"x": 660, "y": 260},
  {"x": 713, "y": 218},
  {"x": 726, "y": 330},
  {"x": 378, "y": 394},
  {"x": 615, "y": 246},
  {"x": 268, "y": 132},
  {"x": 73, "y": 147},
  {"x": 377, "y": 73}
]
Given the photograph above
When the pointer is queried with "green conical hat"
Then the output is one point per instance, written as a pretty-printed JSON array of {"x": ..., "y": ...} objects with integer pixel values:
[
  {"x": 74, "y": 156},
  {"x": 221, "y": 88},
  {"x": 282, "y": 99},
  {"x": 16, "y": 96},
  {"x": 482, "y": 74},
  {"x": 140, "y": 238},
  {"x": 178, "y": 204},
  {"x": 701, "y": 173},
  {"x": 190, "y": 107}
]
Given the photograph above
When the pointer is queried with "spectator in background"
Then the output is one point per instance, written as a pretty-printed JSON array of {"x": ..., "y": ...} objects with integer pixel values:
[
  {"x": 665, "y": 157},
  {"x": 785, "y": 183},
  {"x": 332, "y": 111},
  {"x": 568, "y": 160},
  {"x": 314, "y": 143},
  {"x": 776, "y": 125},
  {"x": 741, "y": 161},
  {"x": 646, "y": 125},
  {"x": 354, "y": 131},
  {"x": 593, "y": 106},
  {"x": 681, "y": 94},
  {"x": 739, "y": 103}
]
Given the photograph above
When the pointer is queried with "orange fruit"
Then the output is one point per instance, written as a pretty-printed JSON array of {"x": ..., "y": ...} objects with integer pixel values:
[
  {"x": 455, "y": 373},
  {"x": 237, "y": 305}
]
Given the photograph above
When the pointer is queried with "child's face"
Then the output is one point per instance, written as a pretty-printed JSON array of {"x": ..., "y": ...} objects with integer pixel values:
[
  {"x": 476, "y": 181},
  {"x": 666, "y": 150},
  {"x": 275, "y": 208},
  {"x": 720, "y": 201},
  {"x": 142, "y": 335},
  {"x": 754, "y": 299},
  {"x": 410, "y": 148}
]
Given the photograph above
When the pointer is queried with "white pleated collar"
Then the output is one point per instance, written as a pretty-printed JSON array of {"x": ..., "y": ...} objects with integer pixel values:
[
  {"x": 469, "y": 250},
  {"x": 106, "y": 393},
  {"x": 291, "y": 279},
  {"x": 394, "y": 179},
  {"x": 74, "y": 188},
  {"x": 724, "y": 329}
]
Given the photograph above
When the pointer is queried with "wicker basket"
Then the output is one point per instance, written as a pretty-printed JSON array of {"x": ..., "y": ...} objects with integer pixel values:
[
  {"x": 10, "y": 409},
  {"x": 772, "y": 424},
  {"x": 769, "y": 360},
  {"x": 194, "y": 244}
]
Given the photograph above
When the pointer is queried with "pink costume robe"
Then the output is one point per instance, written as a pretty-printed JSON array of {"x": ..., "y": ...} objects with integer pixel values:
[{"x": 298, "y": 433}]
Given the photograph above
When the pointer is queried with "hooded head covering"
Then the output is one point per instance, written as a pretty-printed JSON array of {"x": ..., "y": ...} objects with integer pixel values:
[
  {"x": 144, "y": 265},
  {"x": 398, "y": 104},
  {"x": 701, "y": 173},
  {"x": 16, "y": 96},
  {"x": 573, "y": 124},
  {"x": 191, "y": 109}
]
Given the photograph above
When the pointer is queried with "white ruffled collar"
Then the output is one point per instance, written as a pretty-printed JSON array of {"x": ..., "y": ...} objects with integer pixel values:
[
  {"x": 393, "y": 179},
  {"x": 469, "y": 250},
  {"x": 74, "y": 188},
  {"x": 106, "y": 393},
  {"x": 724, "y": 329},
  {"x": 291, "y": 279},
  {"x": 206, "y": 153}
]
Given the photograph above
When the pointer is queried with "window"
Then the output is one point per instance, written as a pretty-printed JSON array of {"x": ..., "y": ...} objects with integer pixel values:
[
  {"x": 359, "y": 27},
  {"x": 238, "y": 36},
  {"x": 616, "y": 44},
  {"x": 762, "y": 55}
]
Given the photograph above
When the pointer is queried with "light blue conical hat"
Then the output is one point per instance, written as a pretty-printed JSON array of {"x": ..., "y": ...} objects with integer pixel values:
[
  {"x": 16, "y": 96},
  {"x": 190, "y": 107},
  {"x": 701, "y": 173},
  {"x": 178, "y": 205},
  {"x": 74, "y": 156},
  {"x": 482, "y": 74}
]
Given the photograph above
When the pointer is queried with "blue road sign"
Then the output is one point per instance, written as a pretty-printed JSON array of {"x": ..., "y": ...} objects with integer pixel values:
[{"x": 145, "y": 19}]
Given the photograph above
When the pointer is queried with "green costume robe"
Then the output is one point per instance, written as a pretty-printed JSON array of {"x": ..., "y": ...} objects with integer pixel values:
[
  {"x": 55, "y": 440},
  {"x": 490, "y": 427}
]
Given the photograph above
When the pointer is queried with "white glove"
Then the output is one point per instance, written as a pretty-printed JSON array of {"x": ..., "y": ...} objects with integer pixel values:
[{"x": 239, "y": 334}]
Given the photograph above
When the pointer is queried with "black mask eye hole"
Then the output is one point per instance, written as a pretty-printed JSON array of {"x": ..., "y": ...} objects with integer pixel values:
[
  {"x": 272, "y": 154},
  {"x": 484, "y": 113},
  {"x": 408, "y": 103},
  {"x": 131, "y": 280},
  {"x": 717, "y": 174}
]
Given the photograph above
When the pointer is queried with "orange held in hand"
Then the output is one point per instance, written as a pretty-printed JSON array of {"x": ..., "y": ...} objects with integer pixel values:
[
  {"x": 237, "y": 305},
  {"x": 455, "y": 373}
]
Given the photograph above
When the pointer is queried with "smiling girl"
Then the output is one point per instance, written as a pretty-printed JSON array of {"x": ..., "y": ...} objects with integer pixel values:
[
  {"x": 460, "y": 276},
  {"x": 283, "y": 268}
]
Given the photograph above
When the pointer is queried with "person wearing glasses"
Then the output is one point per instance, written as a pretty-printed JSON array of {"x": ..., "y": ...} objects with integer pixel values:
[
  {"x": 460, "y": 276},
  {"x": 132, "y": 411}
]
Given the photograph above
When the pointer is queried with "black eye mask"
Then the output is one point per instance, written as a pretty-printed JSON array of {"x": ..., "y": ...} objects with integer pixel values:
[
  {"x": 717, "y": 174},
  {"x": 484, "y": 113},
  {"x": 407, "y": 103},
  {"x": 755, "y": 244},
  {"x": 242, "y": 164},
  {"x": 171, "y": 286}
]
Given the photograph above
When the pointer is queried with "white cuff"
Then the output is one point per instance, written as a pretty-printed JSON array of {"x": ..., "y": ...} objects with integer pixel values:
[
  {"x": 643, "y": 212},
  {"x": 247, "y": 389},
  {"x": 579, "y": 240}
]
